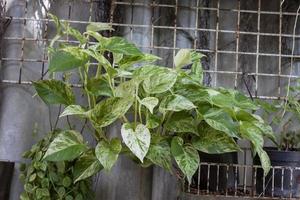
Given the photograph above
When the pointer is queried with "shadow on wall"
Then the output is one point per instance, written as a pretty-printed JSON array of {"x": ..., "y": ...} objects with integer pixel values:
[{"x": 6, "y": 172}]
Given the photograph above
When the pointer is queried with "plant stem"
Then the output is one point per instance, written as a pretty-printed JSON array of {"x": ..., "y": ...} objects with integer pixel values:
[
  {"x": 136, "y": 106},
  {"x": 140, "y": 113}
]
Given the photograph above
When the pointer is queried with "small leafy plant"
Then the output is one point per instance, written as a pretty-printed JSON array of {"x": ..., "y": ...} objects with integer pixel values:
[
  {"x": 165, "y": 113},
  {"x": 51, "y": 180},
  {"x": 286, "y": 115}
]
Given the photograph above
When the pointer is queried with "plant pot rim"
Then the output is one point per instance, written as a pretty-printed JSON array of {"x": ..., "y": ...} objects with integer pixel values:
[
  {"x": 275, "y": 149},
  {"x": 283, "y": 158}
]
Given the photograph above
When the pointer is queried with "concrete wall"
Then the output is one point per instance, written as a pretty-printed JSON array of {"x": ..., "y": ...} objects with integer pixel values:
[{"x": 21, "y": 113}]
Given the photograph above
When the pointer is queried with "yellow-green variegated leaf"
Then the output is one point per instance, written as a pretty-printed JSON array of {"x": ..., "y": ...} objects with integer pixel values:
[
  {"x": 67, "y": 59},
  {"x": 264, "y": 160},
  {"x": 152, "y": 121},
  {"x": 160, "y": 82},
  {"x": 182, "y": 58},
  {"x": 54, "y": 92},
  {"x": 86, "y": 166},
  {"x": 108, "y": 111},
  {"x": 150, "y": 103},
  {"x": 181, "y": 122},
  {"x": 160, "y": 154},
  {"x": 175, "y": 103},
  {"x": 74, "y": 110},
  {"x": 186, "y": 157},
  {"x": 220, "y": 120},
  {"x": 99, "y": 26},
  {"x": 120, "y": 45},
  {"x": 137, "y": 140},
  {"x": 67, "y": 145},
  {"x": 126, "y": 89},
  {"x": 108, "y": 152},
  {"x": 214, "y": 142},
  {"x": 99, "y": 87}
]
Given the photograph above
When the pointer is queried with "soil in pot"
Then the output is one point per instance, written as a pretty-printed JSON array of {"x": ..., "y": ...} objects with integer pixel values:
[
  {"x": 286, "y": 180},
  {"x": 216, "y": 178}
]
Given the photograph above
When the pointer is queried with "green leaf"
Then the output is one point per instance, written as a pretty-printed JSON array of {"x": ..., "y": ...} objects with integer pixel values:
[
  {"x": 182, "y": 58},
  {"x": 138, "y": 140},
  {"x": 67, "y": 145},
  {"x": 86, "y": 166},
  {"x": 67, "y": 181},
  {"x": 108, "y": 152},
  {"x": 32, "y": 177},
  {"x": 42, "y": 192},
  {"x": 181, "y": 122},
  {"x": 109, "y": 110},
  {"x": 175, "y": 103},
  {"x": 220, "y": 120},
  {"x": 29, "y": 188},
  {"x": 150, "y": 103},
  {"x": 61, "y": 192},
  {"x": 67, "y": 59},
  {"x": 214, "y": 142},
  {"x": 186, "y": 157},
  {"x": 160, "y": 82},
  {"x": 99, "y": 87},
  {"x": 98, "y": 26},
  {"x": 54, "y": 92},
  {"x": 24, "y": 196},
  {"x": 74, "y": 110},
  {"x": 69, "y": 197},
  {"x": 160, "y": 154}
]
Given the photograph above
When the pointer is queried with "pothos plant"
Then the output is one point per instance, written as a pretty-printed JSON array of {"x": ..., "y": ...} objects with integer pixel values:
[{"x": 165, "y": 113}]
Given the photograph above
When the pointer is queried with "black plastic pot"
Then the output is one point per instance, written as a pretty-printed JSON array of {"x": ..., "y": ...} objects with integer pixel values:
[
  {"x": 217, "y": 179},
  {"x": 286, "y": 180},
  {"x": 6, "y": 172}
]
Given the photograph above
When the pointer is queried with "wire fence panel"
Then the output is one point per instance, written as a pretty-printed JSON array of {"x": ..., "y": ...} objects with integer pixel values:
[{"x": 250, "y": 45}]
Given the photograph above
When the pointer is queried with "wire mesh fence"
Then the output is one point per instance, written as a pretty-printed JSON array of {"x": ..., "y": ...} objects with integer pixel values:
[
  {"x": 250, "y": 45},
  {"x": 257, "y": 41},
  {"x": 228, "y": 179}
]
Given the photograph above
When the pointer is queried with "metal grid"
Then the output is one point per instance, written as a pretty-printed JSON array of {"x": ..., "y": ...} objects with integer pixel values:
[
  {"x": 215, "y": 52},
  {"x": 244, "y": 181},
  {"x": 247, "y": 47}
]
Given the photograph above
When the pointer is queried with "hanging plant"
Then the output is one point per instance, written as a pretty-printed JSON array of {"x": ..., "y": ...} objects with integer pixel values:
[{"x": 166, "y": 113}]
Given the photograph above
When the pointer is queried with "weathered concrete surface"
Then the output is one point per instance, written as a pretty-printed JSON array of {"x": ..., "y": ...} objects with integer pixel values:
[{"x": 20, "y": 112}]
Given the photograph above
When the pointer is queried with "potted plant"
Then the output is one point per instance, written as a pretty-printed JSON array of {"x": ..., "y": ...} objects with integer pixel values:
[
  {"x": 166, "y": 113},
  {"x": 286, "y": 153}
]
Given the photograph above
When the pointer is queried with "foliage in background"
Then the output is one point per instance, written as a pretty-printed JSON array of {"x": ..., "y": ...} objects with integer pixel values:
[
  {"x": 51, "y": 180},
  {"x": 286, "y": 116},
  {"x": 166, "y": 114}
]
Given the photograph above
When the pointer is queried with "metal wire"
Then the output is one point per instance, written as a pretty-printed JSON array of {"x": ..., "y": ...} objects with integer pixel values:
[{"x": 245, "y": 176}]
